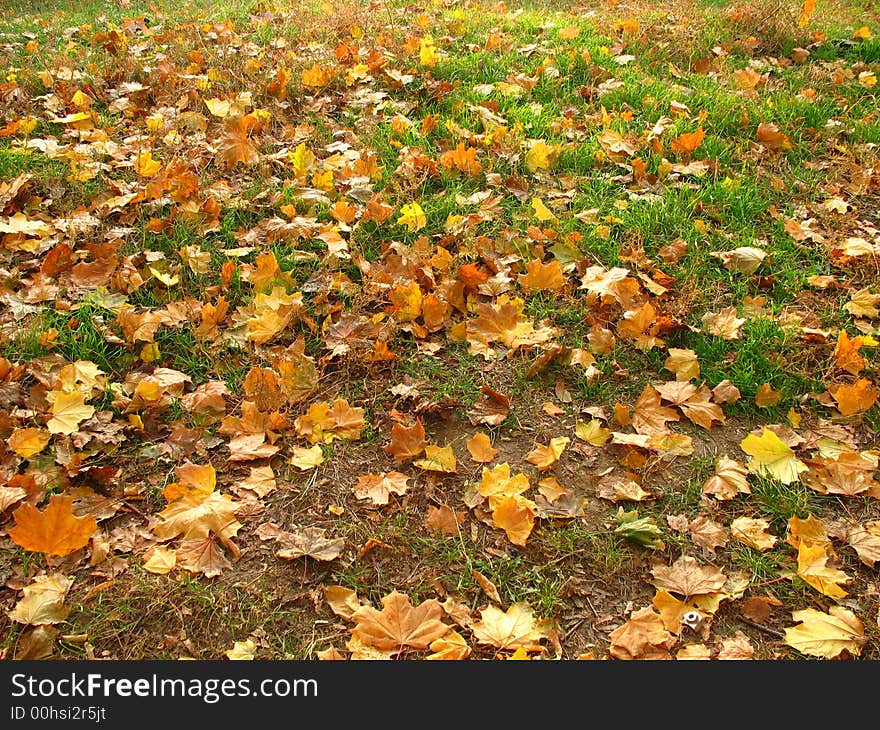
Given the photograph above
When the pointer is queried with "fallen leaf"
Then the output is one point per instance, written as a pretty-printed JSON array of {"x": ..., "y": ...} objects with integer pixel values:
[
  {"x": 481, "y": 449},
  {"x": 451, "y": 647},
  {"x": 545, "y": 456},
  {"x": 772, "y": 457},
  {"x": 687, "y": 577},
  {"x": 242, "y": 651},
  {"x": 400, "y": 624},
  {"x": 343, "y": 601},
  {"x": 43, "y": 601},
  {"x": 643, "y": 636},
  {"x": 444, "y": 519},
  {"x": 753, "y": 532},
  {"x": 438, "y": 458},
  {"x": 309, "y": 542},
  {"x": 512, "y": 629},
  {"x": 826, "y": 635},
  {"x": 378, "y": 488},
  {"x": 55, "y": 530},
  {"x": 516, "y": 516}
]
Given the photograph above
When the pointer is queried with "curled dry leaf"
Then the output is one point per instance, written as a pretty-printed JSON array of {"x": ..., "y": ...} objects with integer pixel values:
[
  {"x": 643, "y": 636},
  {"x": 378, "y": 488},
  {"x": 309, "y": 542}
]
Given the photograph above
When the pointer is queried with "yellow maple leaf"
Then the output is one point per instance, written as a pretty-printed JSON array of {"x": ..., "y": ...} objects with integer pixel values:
[
  {"x": 814, "y": 569},
  {"x": 428, "y": 55},
  {"x": 542, "y": 156},
  {"x": 772, "y": 457},
  {"x": 68, "y": 411},
  {"x": 826, "y": 635},
  {"x": 27, "y": 442},
  {"x": 437, "y": 459},
  {"x": 304, "y": 458},
  {"x": 543, "y": 457},
  {"x": 515, "y": 628},
  {"x": 413, "y": 217},
  {"x": 542, "y": 212},
  {"x": 497, "y": 483},
  {"x": 145, "y": 165},
  {"x": 516, "y": 516},
  {"x": 593, "y": 432}
]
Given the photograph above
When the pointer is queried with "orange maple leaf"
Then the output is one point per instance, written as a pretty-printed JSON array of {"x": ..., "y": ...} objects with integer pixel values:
[
  {"x": 400, "y": 624},
  {"x": 55, "y": 530}
]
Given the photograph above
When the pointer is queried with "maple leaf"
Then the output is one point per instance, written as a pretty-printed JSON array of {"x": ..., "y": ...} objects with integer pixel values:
[
  {"x": 400, "y": 624},
  {"x": 160, "y": 560},
  {"x": 491, "y": 408},
  {"x": 28, "y": 442},
  {"x": 742, "y": 260},
  {"x": 849, "y": 474},
  {"x": 325, "y": 422},
  {"x": 444, "y": 520},
  {"x": 863, "y": 303},
  {"x": 541, "y": 211},
  {"x": 641, "y": 325},
  {"x": 542, "y": 156},
  {"x": 766, "y": 397},
  {"x": 406, "y": 302},
  {"x": 770, "y": 136},
  {"x": 865, "y": 540},
  {"x": 643, "y": 636},
  {"x": 235, "y": 145},
  {"x": 730, "y": 479},
  {"x": 846, "y": 352},
  {"x": 438, "y": 458},
  {"x": 545, "y": 456},
  {"x": 772, "y": 457},
  {"x": 753, "y": 532},
  {"x": 855, "y": 398},
  {"x": 413, "y": 217},
  {"x": 68, "y": 411},
  {"x": 814, "y": 569},
  {"x": 516, "y": 516},
  {"x": 688, "y": 578},
  {"x": 379, "y": 487},
  {"x": 515, "y": 628},
  {"x": 242, "y": 651},
  {"x": 481, "y": 449},
  {"x": 315, "y": 77},
  {"x": 451, "y": 647},
  {"x": 695, "y": 403},
  {"x": 615, "y": 283},
  {"x": 195, "y": 516},
  {"x": 649, "y": 416},
  {"x": 55, "y": 530},
  {"x": 343, "y": 601},
  {"x": 826, "y": 635},
  {"x": 497, "y": 483},
  {"x": 311, "y": 542},
  {"x": 593, "y": 432},
  {"x": 683, "y": 363},
  {"x": 43, "y": 601},
  {"x": 462, "y": 159},
  {"x": 407, "y": 442},
  {"x": 542, "y": 277},
  {"x": 724, "y": 324},
  {"x": 201, "y": 556},
  {"x": 688, "y": 142}
]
